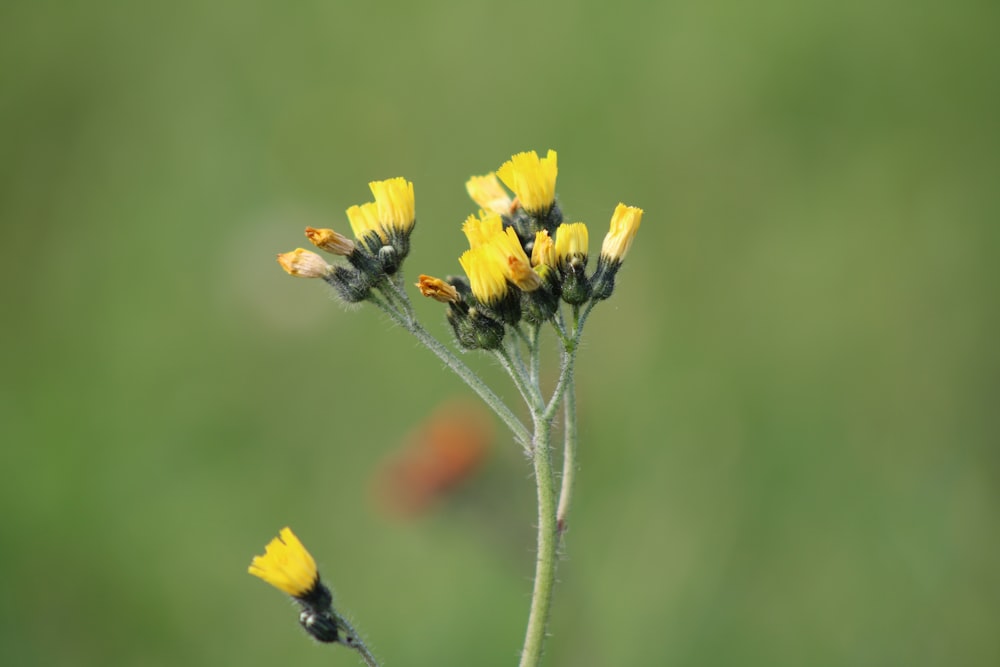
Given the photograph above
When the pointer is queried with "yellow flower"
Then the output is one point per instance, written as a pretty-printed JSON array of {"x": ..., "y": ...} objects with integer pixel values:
[
  {"x": 517, "y": 268},
  {"x": 394, "y": 203},
  {"x": 489, "y": 194},
  {"x": 364, "y": 220},
  {"x": 544, "y": 250},
  {"x": 304, "y": 264},
  {"x": 571, "y": 242},
  {"x": 625, "y": 223},
  {"x": 287, "y": 565},
  {"x": 480, "y": 230},
  {"x": 533, "y": 180},
  {"x": 486, "y": 271},
  {"x": 437, "y": 289},
  {"x": 330, "y": 241}
]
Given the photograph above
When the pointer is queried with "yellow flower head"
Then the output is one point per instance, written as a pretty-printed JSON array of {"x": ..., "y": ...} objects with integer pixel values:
[
  {"x": 487, "y": 192},
  {"x": 571, "y": 242},
  {"x": 304, "y": 264},
  {"x": 533, "y": 180},
  {"x": 517, "y": 268},
  {"x": 394, "y": 203},
  {"x": 364, "y": 220},
  {"x": 544, "y": 250},
  {"x": 487, "y": 273},
  {"x": 287, "y": 565},
  {"x": 437, "y": 289},
  {"x": 330, "y": 241},
  {"x": 480, "y": 230},
  {"x": 625, "y": 223}
]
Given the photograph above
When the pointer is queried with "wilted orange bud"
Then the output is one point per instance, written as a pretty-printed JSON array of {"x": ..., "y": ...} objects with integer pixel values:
[
  {"x": 330, "y": 241},
  {"x": 437, "y": 289},
  {"x": 304, "y": 264}
]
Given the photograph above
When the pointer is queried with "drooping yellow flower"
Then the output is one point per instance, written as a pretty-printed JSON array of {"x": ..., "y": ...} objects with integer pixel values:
[
  {"x": 487, "y": 273},
  {"x": 487, "y": 192},
  {"x": 287, "y": 565},
  {"x": 330, "y": 241},
  {"x": 517, "y": 268},
  {"x": 304, "y": 264},
  {"x": 544, "y": 250},
  {"x": 437, "y": 289},
  {"x": 571, "y": 242},
  {"x": 394, "y": 203},
  {"x": 364, "y": 220},
  {"x": 532, "y": 179},
  {"x": 625, "y": 223},
  {"x": 479, "y": 230}
]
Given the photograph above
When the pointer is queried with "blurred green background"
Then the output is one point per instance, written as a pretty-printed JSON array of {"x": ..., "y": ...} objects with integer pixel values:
[{"x": 789, "y": 411}]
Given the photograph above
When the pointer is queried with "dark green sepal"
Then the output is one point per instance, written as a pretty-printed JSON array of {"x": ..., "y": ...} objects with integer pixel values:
[
  {"x": 575, "y": 286},
  {"x": 320, "y": 624},
  {"x": 351, "y": 284},
  {"x": 603, "y": 280}
]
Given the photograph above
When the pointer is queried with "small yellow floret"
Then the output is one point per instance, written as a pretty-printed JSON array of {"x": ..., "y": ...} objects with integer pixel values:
[
  {"x": 532, "y": 179},
  {"x": 480, "y": 230},
  {"x": 286, "y": 565},
  {"x": 625, "y": 223},
  {"x": 304, "y": 264},
  {"x": 544, "y": 250},
  {"x": 487, "y": 192},
  {"x": 394, "y": 203}
]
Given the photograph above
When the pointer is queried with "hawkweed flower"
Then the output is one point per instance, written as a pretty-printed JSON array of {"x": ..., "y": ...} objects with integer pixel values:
[
  {"x": 304, "y": 264},
  {"x": 395, "y": 208},
  {"x": 571, "y": 259},
  {"x": 487, "y": 271},
  {"x": 625, "y": 223},
  {"x": 532, "y": 179},
  {"x": 487, "y": 192},
  {"x": 289, "y": 567}
]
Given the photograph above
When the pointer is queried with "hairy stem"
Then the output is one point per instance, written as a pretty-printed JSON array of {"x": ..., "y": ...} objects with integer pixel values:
[
  {"x": 352, "y": 640},
  {"x": 569, "y": 454},
  {"x": 545, "y": 564},
  {"x": 460, "y": 369}
]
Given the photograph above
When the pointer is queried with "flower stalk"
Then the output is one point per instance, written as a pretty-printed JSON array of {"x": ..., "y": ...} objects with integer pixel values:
[{"x": 525, "y": 268}]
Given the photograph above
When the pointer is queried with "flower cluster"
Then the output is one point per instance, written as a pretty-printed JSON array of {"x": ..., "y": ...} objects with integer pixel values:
[
  {"x": 381, "y": 242},
  {"x": 522, "y": 257},
  {"x": 525, "y": 267},
  {"x": 287, "y": 566}
]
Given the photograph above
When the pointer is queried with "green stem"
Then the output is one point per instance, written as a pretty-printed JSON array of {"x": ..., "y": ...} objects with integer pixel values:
[
  {"x": 470, "y": 378},
  {"x": 548, "y": 539},
  {"x": 458, "y": 367},
  {"x": 570, "y": 440},
  {"x": 518, "y": 375}
]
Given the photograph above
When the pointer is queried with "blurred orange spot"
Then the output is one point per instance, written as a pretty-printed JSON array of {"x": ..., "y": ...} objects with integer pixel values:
[{"x": 437, "y": 455}]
